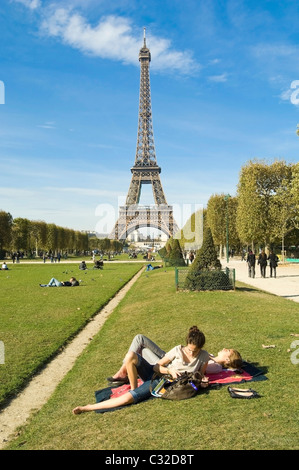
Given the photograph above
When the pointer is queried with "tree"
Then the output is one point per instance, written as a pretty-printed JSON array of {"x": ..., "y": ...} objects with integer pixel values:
[
  {"x": 174, "y": 255},
  {"x": 283, "y": 208},
  {"x": 51, "y": 244},
  {"x": 117, "y": 246},
  {"x": 259, "y": 184},
  {"x": 21, "y": 234},
  {"x": 163, "y": 252},
  {"x": 6, "y": 222},
  {"x": 105, "y": 246},
  {"x": 205, "y": 272},
  {"x": 218, "y": 208},
  {"x": 206, "y": 257},
  {"x": 295, "y": 192},
  {"x": 38, "y": 235}
]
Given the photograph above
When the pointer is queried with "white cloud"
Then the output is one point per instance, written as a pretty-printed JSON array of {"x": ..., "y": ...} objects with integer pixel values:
[
  {"x": 32, "y": 4},
  {"x": 275, "y": 50},
  {"x": 47, "y": 125},
  {"x": 286, "y": 95},
  {"x": 218, "y": 78},
  {"x": 112, "y": 38}
]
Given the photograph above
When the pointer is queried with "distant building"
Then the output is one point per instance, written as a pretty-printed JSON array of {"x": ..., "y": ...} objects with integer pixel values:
[{"x": 91, "y": 233}]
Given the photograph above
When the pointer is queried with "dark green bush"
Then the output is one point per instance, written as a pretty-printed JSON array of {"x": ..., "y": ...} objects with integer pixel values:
[
  {"x": 172, "y": 253},
  {"x": 206, "y": 257},
  {"x": 163, "y": 253},
  {"x": 208, "y": 280}
]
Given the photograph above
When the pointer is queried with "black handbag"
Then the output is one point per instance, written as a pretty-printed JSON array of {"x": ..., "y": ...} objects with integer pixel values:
[{"x": 185, "y": 386}]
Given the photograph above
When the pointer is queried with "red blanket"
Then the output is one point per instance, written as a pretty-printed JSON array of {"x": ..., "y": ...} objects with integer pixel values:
[
  {"x": 223, "y": 377},
  {"x": 116, "y": 392},
  {"x": 249, "y": 372},
  {"x": 228, "y": 376}
]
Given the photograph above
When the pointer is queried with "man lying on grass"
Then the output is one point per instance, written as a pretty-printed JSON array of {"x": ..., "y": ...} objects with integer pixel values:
[{"x": 55, "y": 283}]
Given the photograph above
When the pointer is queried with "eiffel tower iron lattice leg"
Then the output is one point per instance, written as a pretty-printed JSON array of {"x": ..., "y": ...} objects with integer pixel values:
[{"x": 145, "y": 170}]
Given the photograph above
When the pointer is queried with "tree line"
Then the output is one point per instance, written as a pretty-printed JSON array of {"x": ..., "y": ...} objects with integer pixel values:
[
  {"x": 38, "y": 237},
  {"x": 34, "y": 237}
]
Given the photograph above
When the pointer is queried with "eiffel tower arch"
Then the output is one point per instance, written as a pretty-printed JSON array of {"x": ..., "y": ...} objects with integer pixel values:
[{"x": 145, "y": 170}]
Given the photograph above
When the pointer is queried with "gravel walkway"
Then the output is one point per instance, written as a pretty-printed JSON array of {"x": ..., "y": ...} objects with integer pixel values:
[{"x": 286, "y": 283}]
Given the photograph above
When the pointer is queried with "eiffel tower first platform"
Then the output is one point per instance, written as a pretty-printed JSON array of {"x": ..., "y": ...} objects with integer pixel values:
[{"x": 145, "y": 170}]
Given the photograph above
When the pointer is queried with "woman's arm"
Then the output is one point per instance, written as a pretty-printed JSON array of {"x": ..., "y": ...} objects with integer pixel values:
[
  {"x": 162, "y": 368},
  {"x": 205, "y": 380},
  {"x": 161, "y": 365},
  {"x": 204, "y": 368}
]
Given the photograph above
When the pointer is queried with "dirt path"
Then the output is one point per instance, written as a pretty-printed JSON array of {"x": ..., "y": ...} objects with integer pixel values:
[{"x": 41, "y": 387}]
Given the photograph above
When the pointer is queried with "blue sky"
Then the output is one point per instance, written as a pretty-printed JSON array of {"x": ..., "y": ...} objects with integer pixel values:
[{"x": 224, "y": 81}]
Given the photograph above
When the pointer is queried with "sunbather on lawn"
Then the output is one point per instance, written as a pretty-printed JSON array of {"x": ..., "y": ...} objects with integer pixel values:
[
  {"x": 190, "y": 358},
  {"x": 55, "y": 283},
  {"x": 225, "y": 359}
]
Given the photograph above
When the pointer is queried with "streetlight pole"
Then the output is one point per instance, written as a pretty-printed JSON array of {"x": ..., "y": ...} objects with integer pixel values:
[{"x": 226, "y": 199}]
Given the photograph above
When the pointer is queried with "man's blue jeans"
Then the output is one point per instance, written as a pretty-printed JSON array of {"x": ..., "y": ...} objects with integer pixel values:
[
  {"x": 54, "y": 283},
  {"x": 145, "y": 372}
]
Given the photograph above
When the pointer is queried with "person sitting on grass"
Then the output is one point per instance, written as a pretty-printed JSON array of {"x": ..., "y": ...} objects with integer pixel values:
[
  {"x": 55, "y": 283},
  {"x": 98, "y": 264},
  {"x": 225, "y": 359},
  {"x": 189, "y": 358},
  {"x": 4, "y": 266},
  {"x": 82, "y": 265}
]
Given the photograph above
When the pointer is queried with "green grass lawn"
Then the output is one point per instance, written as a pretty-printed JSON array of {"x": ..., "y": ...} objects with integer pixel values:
[
  {"x": 35, "y": 322},
  {"x": 244, "y": 319}
]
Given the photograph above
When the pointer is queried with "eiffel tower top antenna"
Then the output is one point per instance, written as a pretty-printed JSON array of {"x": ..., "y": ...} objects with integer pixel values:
[{"x": 144, "y": 41}]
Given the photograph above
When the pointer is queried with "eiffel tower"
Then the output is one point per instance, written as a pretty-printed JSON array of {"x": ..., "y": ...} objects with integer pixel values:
[{"x": 145, "y": 170}]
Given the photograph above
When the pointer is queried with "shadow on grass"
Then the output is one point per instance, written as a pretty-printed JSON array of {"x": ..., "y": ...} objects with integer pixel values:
[
  {"x": 264, "y": 369},
  {"x": 246, "y": 289}
]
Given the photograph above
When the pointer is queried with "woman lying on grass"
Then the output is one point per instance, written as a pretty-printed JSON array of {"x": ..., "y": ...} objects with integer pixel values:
[
  {"x": 225, "y": 359},
  {"x": 189, "y": 358}
]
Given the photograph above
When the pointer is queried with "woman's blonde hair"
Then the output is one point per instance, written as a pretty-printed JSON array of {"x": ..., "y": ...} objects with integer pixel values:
[{"x": 235, "y": 360}]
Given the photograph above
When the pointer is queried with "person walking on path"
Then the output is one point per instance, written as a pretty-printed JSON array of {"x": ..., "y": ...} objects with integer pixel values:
[
  {"x": 273, "y": 258},
  {"x": 262, "y": 261},
  {"x": 251, "y": 263}
]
